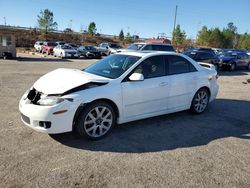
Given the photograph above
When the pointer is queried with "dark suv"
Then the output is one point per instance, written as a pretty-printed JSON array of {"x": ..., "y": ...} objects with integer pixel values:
[{"x": 206, "y": 57}]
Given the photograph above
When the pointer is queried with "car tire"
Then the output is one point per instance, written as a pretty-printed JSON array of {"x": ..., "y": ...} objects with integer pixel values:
[
  {"x": 200, "y": 101},
  {"x": 216, "y": 67},
  {"x": 248, "y": 66},
  {"x": 233, "y": 67},
  {"x": 96, "y": 120}
]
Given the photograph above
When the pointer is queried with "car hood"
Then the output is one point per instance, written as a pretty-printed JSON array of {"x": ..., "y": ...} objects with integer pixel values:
[{"x": 62, "y": 80}]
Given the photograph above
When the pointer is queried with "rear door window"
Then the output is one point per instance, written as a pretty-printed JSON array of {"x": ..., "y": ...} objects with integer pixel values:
[{"x": 179, "y": 65}]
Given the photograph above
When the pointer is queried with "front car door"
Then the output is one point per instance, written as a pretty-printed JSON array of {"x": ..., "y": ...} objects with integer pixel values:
[{"x": 146, "y": 98}]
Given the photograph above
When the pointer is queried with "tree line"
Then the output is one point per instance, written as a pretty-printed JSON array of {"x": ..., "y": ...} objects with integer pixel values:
[{"x": 227, "y": 37}]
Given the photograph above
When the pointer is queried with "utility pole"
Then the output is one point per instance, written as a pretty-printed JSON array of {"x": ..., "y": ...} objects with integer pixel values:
[
  {"x": 176, "y": 9},
  {"x": 4, "y": 21}
]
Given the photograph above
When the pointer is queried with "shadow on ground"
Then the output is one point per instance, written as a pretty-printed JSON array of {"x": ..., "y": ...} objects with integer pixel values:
[
  {"x": 41, "y": 59},
  {"x": 239, "y": 72},
  {"x": 223, "y": 119}
]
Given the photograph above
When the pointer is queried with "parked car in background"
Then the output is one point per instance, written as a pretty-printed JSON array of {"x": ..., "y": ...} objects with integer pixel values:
[
  {"x": 48, "y": 47},
  {"x": 74, "y": 46},
  {"x": 89, "y": 52},
  {"x": 108, "y": 48},
  {"x": 38, "y": 46},
  {"x": 60, "y": 43},
  {"x": 148, "y": 47},
  {"x": 209, "y": 50},
  {"x": 65, "y": 51},
  {"x": 117, "y": 89},
  {"x": 206, "y": 57},
  {"x": 234, "y": 60}
]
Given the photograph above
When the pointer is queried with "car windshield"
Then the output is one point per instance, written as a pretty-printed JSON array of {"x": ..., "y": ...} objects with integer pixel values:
[
  {"x": 135, "y": 46},
  {"x": 51, "y": 44},
  {"x": 229, "y": 54},
  {"x": 113, "y": 45},
  {"x": 66, "y": 47},
  {"x": 73, "y": 45},
  {"x": 190, "y": 54},
  {"x": 112, "y": 66},
  {"x": 89, "y": 48}
]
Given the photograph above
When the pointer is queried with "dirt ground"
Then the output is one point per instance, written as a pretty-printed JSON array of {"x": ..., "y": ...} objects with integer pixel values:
[{"x": 176, "y": 150}]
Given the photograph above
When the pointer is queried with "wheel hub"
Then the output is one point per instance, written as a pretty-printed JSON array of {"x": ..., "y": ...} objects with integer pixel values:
[{"x": 99, "y": 121}]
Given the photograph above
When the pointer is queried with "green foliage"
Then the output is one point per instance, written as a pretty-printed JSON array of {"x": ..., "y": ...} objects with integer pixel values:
[
  {"x": 179, "y": 36},
  {"x": 92, "y": 28},
  {"x": 128, "y": 38},
  {"x": 46, "y": 21},
  {"x": 121, "y": 36},
  {"x": 226, "y": 38},
  {"x": 244, "y": 41}
]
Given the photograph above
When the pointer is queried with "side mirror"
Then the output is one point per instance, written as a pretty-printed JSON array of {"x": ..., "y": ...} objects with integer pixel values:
[
  {"x": 136, "y": 77},
  {"x": 107, "y": 47}
]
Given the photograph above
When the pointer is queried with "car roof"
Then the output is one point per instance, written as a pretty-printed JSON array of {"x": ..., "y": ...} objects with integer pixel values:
[{"x": 147, "y": 53}]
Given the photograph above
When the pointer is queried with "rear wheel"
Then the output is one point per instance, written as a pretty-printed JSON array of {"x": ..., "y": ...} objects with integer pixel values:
[
  {"x": 200, "y": 101},
  {"x": 96, "y": 120},
  {"x": 233, "y": 67}
]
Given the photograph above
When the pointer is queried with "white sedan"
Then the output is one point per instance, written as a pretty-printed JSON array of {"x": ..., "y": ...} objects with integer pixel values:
[
  {"x": 65, "y": 51},
  {"x": 120, "y": 88}
]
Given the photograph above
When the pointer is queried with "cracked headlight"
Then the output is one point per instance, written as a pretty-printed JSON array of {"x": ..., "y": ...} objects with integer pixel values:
[{"x": 50, "y": 101}]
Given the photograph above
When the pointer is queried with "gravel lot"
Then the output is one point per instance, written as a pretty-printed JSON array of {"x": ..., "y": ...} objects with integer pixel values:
[{"x": 177, "y": 150}]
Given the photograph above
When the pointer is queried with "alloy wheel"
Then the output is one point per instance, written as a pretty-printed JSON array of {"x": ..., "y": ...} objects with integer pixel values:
[
  {"x": 201, "y": 101},
  {"x": 98, "y": 121}
]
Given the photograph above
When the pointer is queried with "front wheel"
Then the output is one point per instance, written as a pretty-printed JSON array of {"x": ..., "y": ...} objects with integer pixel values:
[
  {"x": 248, "y": 66},
  {"x": 200, "y": 101},
  {"x": 96, "y": 120}
]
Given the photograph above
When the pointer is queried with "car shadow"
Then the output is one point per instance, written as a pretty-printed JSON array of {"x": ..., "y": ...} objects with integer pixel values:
[
  {"x": 239, "y": 72},
  {"x": 223, "y": 119},
  {"x": 41, "y": 59}
]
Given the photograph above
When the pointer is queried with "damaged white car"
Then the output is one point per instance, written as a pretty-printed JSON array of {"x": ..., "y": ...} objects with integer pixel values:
[{"x": 120, "y": 88}]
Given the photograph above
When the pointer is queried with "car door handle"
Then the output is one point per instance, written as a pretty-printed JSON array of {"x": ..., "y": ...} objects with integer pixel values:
[{"x": 163, "y": 84}]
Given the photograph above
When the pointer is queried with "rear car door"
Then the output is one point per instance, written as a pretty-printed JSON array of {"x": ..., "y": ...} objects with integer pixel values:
[
  {"x": 148, "y": 97},
  {"x": 182, "y": 82}
]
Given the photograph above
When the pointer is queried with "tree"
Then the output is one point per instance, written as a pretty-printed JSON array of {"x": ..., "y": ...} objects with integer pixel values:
[
  {"x": 203, "y": 36},
  {"x": 230, "y": 35},
  {"x": 179, "y": 36},
  {"x": 216, "y": 38},
  {"x": 121, "y": 36},
  {"x": 128, "y": 38},
  {"x": 92, "y": 28},
  {"x": 244, "y": 41},
  {"x": 46, "y": 21}
]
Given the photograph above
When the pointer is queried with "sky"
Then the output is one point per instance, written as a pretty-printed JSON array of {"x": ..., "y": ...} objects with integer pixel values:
[{"x": 146, "y": 18}]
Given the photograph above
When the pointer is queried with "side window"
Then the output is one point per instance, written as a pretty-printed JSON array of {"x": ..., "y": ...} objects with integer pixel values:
[
  {"x": 147, "y": 47},
  {"x": 152, "y": 67},
  {"x": 179, "y": 65}
]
